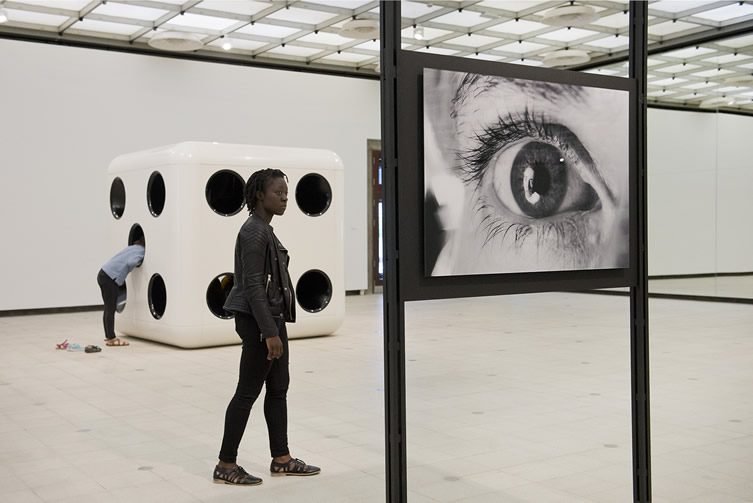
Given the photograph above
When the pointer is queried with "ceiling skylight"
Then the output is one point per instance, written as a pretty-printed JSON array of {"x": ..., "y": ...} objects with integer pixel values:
[
  {"x": 129, "y": 11},
  {"x": 306, "y": 16},
  {"x": 205, "y": 23},
  {"x": 104, "y": 27},
  {"x": 267, "y": 30},
  {"x": 734, "y": 11}
]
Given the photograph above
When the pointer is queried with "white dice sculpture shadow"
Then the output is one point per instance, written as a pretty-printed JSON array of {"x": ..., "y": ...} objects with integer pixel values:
[{"x": 186, "y": 200}]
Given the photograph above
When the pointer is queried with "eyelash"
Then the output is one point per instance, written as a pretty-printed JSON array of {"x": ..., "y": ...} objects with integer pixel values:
[{"x": 495, "y": 137}]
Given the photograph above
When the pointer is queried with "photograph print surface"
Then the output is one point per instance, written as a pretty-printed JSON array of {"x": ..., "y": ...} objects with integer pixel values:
[{"x": 523, "y": 175}]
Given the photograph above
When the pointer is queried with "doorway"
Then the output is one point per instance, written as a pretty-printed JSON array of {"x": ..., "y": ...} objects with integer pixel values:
[{"x": 376, "y": 216}]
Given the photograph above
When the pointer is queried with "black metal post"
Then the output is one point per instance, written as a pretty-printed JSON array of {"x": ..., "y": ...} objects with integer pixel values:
[
  {"x": 639, "y": 364},
  {"x": 394, "y": 307}
]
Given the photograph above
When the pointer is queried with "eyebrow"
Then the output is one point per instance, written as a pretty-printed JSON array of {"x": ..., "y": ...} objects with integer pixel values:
[{"x": 474, "y": 85}]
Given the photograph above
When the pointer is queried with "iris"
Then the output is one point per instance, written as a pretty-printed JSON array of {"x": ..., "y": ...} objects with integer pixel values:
[{"x": 538, "y": 179}]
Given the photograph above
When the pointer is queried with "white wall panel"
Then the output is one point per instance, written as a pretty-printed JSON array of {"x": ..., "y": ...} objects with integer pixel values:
[
  {"x": 735, "y": 194},
  {"x": 67, "y": 112},
  {"x": 700, "y": 178},
  {"x": 681, "y": 192}
]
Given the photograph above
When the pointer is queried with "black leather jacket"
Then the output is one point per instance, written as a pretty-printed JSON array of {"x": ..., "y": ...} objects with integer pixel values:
[{"x": 262, "y": 286}]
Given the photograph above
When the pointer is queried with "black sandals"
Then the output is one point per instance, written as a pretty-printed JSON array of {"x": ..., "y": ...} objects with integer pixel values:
[
  {"x": 236, "y": 476},
  {"x": 293, "y": 467}
]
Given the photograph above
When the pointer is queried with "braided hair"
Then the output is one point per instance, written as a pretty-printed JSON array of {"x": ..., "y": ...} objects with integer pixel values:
[{"x": 258, "y": 182}]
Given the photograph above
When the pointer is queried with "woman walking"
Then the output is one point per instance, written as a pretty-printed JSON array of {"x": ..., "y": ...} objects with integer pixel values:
[{"x": 262, "y": 300}]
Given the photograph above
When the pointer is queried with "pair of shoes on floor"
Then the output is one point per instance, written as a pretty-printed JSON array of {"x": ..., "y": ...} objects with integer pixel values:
[
  {"x": 294, "y": 467},
  {"x": 236, "y": 476},
  {"x": 72, "y": 346},
  {"x": 239, "y": 477}
]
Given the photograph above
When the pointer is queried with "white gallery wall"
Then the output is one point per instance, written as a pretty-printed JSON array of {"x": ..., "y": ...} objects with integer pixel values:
[
  {"x": 700, "y": 178},
  {"x": 734, "y": 192},
  {"x": 67, "y": 112}
]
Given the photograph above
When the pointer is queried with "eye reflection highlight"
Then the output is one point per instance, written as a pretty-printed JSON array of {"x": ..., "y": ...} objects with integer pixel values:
[{"x": 540, "y": 169}]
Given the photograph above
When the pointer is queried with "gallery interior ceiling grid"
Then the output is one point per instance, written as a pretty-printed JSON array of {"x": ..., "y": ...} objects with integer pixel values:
[{"x": 341, "y": 35}]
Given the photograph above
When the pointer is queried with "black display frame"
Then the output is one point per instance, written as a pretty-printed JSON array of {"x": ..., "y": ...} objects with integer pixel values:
[
  {"x": 400, "y": 287},
  {"x": 415, "y": 283}
]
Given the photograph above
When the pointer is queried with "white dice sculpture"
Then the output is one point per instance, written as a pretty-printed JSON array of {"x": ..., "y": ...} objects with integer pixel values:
[{"x": 187, "y": 202}]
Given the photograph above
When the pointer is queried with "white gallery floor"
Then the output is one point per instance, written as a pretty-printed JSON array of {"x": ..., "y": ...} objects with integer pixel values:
[{"x": 509, "y": 399}]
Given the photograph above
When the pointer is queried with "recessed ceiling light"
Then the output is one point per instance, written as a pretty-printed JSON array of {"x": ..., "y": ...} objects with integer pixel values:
[
  {"x": 570, "y": 15},
  {"x": 3, "y": 15},
  {"x": 176, "y": 41},
  {"x": 566, "y": 57},
  {"x": 360, "y": 29}
]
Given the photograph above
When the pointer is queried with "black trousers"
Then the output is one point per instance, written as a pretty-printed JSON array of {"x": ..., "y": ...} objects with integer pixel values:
[
  {"x": 255, "y": 371},
  {"x": 110, "y": 298}
]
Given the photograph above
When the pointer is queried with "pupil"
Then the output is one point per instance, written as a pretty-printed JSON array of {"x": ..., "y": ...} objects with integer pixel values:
[
  {"x": 538, "y": 179},
  {"x": 541, "y": 179}
]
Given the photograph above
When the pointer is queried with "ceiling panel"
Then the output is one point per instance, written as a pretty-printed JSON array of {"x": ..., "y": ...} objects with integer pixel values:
[
  {"x": 616, "y": 20},
  {"x": 615, "y": 42},
  {"x": 567, "y": 34},
  {"x": 429, "y": 33},
  {"x": 199, "y": 22},
  {"x": 472, "y": 40},
  {"x": 675, "y": 6},
  {"x": 291, "y": 50},
  {"x": 668, "y": 82},
  {"x": 301, "y": 16},
  {"x": 515, "y": 5},
  {"x": 369, "y": 45},
  {"x": 677, "y": 68},
  {"x": 485, "y": 57},
  {"x": 730, "y": 12},
  {"x": 16, "y": 16},
  {"x": 527, "y": 62},
  {"x": 122, "y": 10},
  {"x": 522, "y": 47},
  {"x": 239, "y": 44},
  {"x": 413, "y": 10},
  {"x": 74, "y": 5},
  {"x": 104, "y": 27},
  {"x": 245, "y": 7},
  {"x": 688, "y": 53},
  {"x": 463, "y": 18},
  {"x": 325, "y": 39},
  {"x": 670, "y": 27},
  {"x": 348, "y": 57},
  {"x": 738, "y": 42},
  {"x": 267, "y": 30},
  {"x": 519, "y": 27},
  {"x": 437, "y": 50}
]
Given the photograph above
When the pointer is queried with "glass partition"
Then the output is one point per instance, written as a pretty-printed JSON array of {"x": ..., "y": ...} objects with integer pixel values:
[
  {"x": 519, "y": 398},
  {"x": 700, "y": 171},
  {"x": 700, "y": 237},
  {"x": 701, "y": 247}
]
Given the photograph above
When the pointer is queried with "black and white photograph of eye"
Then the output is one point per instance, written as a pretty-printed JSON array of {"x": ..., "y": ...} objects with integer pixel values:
[{"x": 523, "y": 175}]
